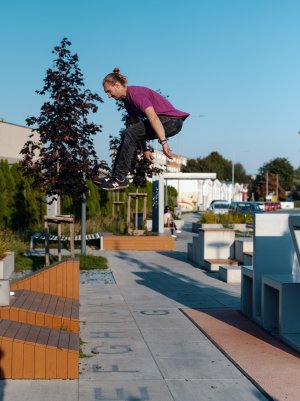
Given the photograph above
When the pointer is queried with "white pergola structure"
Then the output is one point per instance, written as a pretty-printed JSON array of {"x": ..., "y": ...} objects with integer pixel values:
[{"x": 158, "y": 193}]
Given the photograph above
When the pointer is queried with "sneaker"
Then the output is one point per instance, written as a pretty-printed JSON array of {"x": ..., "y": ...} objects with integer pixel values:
[
  {"x": 178, "y": 231},
  {"x": 174, "y": 236},
  {"x": 112, "y": 184},
  {"x": 101, "y": 180}
]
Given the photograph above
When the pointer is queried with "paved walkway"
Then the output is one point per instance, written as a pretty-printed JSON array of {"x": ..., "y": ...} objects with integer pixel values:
[
  {"x": 141, "y": 346},
  {"x": 144, "y": 348}
]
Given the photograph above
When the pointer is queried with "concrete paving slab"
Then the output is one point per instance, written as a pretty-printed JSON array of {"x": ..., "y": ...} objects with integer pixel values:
[
  {"x": 129, "y": 390},
  {"x": 205, "y": 367},
  {"x": 96, "y": 332},
  {"x": 119, "y": 368},
  {"x": 172, "y": 335},
  {"x": 215, "y": 390},
  {"x": 127, "y": 348},
  {"x": 37, "y": 390},
  {"x": 183, "y": 350},
  {"x": 161, "y": 316}
]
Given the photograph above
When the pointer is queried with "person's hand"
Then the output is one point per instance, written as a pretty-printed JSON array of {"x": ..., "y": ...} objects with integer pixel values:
[
  {"x": 167, "y": 150},
  {"x": 149, "y": 155}
]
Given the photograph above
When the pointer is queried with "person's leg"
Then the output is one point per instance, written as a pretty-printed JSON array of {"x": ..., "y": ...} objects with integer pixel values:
[
  {"x": 131, "y": 139},
  {"x": 133, "y": 136}
]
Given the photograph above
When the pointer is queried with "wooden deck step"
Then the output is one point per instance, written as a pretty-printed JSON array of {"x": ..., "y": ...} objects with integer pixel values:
[
  {"x": 35, "y": 352},
  {"x": 43, "y": 310},
  {"x": 214, "y": 264}
]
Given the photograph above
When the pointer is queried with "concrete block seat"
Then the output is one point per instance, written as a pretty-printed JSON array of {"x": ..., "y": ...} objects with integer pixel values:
[
  {"x": 213, "y": 265},
  {"x": 43, "y": 310},
  {"x": 242, "y": 245},
  {"x": 230, "y": 274},
  {"x": 281, "y": 303},
  {"x": 34, "y": 352},
  {"x": 212, "y": 244},
  {"x": 248, "y": 258},
  {"x": 247, "y": 290}
]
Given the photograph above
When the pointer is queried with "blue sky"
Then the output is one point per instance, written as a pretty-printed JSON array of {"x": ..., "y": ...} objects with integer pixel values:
[{"x": 234, "y": 65}]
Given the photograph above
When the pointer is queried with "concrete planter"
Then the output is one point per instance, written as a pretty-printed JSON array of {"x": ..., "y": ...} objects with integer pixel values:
[
  {"x": 7, "y": 266},
  {"x": 236, "y": 227}
]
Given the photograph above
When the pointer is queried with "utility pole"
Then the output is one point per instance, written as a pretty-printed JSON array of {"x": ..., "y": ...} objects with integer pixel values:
[
  {"x": 267, "y": 185},
  {"x": 277, "y": 185},
  {"x": 232, "y": 179}
]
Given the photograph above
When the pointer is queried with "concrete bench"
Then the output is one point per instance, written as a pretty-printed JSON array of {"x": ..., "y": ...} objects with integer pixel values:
[
  {"x": 211, "y": 244},
  {"x": 281, "y": 306},
  {"x": 248, "y": 258},
  {"x": 242, "y": 245},
  {"x": 230, "y": 274},
  {"x": 247, "y": 290}
]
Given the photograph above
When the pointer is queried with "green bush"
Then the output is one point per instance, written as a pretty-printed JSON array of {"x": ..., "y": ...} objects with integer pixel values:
[
  {"x": 225, "y": 218},
  {"x": 36, "y": 262},
  {"x": 3, "y": 249},
  {"x": 12, "y": 242}
]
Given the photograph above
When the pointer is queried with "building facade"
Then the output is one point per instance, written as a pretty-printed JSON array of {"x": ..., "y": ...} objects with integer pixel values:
[{"x": 12, "y": 139}]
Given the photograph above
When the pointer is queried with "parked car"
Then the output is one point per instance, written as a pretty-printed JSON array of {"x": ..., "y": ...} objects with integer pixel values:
[
  {"x": 272, "y": 206},
  {"x": 261, "y": 205},
  {"x": 218, "y": 207},
  {"x": 217, "y": 201},
  {"x": 245, "y": 208}
]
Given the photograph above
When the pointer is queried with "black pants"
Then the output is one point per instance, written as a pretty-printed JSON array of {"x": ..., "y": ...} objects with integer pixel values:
[{"x": 134, "y": 136}]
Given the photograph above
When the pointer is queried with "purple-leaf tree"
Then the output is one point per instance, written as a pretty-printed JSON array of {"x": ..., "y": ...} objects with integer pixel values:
[{"x": 63, "y": 157}]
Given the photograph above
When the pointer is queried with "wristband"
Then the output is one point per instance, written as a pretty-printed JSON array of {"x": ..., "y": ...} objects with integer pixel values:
[{"x": 163, "y": 142}]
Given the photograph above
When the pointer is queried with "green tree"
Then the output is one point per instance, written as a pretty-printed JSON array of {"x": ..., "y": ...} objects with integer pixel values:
[
  {"x": 277, "y": 175},
  {"x": 216, "y": 163}
]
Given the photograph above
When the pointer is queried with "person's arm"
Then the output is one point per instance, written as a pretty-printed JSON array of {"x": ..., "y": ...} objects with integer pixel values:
[
  {"x": 146, "y": 151},
  {"x": 159, "y": 130}
]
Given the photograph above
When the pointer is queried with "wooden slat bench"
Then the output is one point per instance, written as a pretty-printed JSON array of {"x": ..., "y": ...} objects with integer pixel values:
[
  {"x": 34, "y": 352},
  {"x": 43, "y": 310},
  {"x": 39, "y": 329}
]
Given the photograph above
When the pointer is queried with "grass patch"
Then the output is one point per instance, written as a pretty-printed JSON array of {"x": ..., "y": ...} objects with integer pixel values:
[
  {"x": 87, "y": 262},
  {"x": 81, "y": 353},
  {"x": 90, "y": 262}
]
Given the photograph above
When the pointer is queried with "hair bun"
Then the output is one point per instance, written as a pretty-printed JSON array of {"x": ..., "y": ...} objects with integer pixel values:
[{"x": 116, "y": 70}]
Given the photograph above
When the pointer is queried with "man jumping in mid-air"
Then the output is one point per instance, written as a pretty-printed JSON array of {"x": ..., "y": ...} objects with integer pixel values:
[{"x": 158, "y": 119}]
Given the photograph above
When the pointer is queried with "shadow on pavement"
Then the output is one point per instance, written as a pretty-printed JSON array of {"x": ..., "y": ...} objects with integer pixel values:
[{"x": 179, "y": 287}]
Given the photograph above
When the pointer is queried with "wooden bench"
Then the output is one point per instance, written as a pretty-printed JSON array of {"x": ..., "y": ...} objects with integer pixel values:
[
  {"x": 43, "y": 310},
  {"x": 138, "y": 243},
  {"x": 213, "y": 265},
  {"x": 39, "y": 329},
  {"x": 34, "y": 352}
]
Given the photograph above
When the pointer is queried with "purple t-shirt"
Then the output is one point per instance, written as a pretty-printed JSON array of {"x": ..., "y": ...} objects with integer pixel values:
[{"x": 138, "y": 98}]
